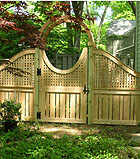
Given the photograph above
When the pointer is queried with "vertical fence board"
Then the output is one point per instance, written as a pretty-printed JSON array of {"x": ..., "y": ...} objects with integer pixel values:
[
  {"x": 47, "y": 103},
  {"x": 121, "y": 107},
  {"x": 126, "y": 107},
  {"x": 42, "y": 104},
  {"x": 17, "y": 96},
  {"x": 1, "y": 96},
  {"x": 69, "y": 62},
  {"x": 11, "y": 96},
  {"x": 31, "y": 106},
  {"x": 132, "y": 108},
  {"x": 6, "y": 95},
  {"x": 22, "y": 100},
  {"x": 26, "y": 104},
  {"x": 57, "y": 105},
  {"x": 67, "y": 106},
  {"x": 116, "y": 108},
  {"x": 65, "y": 62},
  {"x": 100, "y": 106},
  {"x": 78, "y": 107},
  {"x": 62, "y": 105},
  {"x": 72, "y": 106},
  {"x": 137, "y": 107},
  {"x": 110, "y": 108},
  {"x": 95, "y": 107},
  {"x": 105, "y": 107},
  {"x": 52, "y": 105},
  {"x": 83, "y": 106}
]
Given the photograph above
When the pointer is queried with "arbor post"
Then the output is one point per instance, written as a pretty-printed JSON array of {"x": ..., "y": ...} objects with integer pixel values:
[
  {"x": 90, "y": 81},
  {"x": 36, "y": 84}
]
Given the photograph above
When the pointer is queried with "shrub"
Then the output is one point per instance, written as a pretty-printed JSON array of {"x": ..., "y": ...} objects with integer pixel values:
[{"x": 10, "y": 114}]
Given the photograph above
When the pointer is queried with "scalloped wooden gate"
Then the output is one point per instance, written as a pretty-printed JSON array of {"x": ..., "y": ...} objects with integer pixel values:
[
  {"x": 58, "y": 95},
  {"x": 61, "y": 95},
  {"x": 115, "y": 89}
]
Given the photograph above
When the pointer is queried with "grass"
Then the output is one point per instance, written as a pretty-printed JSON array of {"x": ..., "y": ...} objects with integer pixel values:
[{"x": 68, "y": 141}]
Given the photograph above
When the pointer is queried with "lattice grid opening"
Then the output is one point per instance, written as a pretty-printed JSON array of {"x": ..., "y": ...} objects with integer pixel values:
[
  {"x": 19, "y": 73},
  {"x": 74, "y": 79},
  {"x": 108, "y": 74}
]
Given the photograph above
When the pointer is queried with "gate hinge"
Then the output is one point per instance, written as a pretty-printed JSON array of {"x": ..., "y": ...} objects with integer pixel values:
[
  {"x": 38, "y": 115},
  {"x": 86, "y": 90},
  {"x": 38, "y": 71}
]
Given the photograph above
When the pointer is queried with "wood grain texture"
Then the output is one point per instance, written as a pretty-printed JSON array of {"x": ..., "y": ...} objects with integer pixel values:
[
  {"x": 52, "y": 105},
  {"x": 62, "y": 105},
  {"x": 72, "y": 106}
]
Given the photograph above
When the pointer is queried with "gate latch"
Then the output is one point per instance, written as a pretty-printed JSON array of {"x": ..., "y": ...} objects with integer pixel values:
[
  {"x": 38, "y": 115},
  {"x": 38, "y": 71},
  {"x": 86, "y": 90}
]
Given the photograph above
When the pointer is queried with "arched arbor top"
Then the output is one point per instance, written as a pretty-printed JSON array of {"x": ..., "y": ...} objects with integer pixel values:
[{"x": 48, "y": 26}]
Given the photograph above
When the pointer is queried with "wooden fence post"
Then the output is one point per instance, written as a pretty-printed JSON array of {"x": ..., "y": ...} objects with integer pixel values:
[
  {"x": 90, "y": 81},
  {"x": 36, "y": 84},
  {"x": 137, "y": 103}
]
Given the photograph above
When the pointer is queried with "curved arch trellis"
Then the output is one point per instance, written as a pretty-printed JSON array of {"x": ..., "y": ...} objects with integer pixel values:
[{"x": 64, "y": 19}]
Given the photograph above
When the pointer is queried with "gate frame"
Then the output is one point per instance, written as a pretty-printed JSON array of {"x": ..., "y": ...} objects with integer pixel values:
[{"x": 45, "y": 30}]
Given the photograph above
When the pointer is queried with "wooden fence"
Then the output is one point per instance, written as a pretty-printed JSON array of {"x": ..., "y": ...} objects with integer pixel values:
[
  {"x": 17, "y": 82},
  {"x": 64, "y": 61},
  {"x": 61, "y": 95},
  {"x": 116, "y": 91}
]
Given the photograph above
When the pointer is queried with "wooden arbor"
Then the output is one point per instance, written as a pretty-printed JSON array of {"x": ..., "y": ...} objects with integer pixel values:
[{"x": 46, "y": 28}]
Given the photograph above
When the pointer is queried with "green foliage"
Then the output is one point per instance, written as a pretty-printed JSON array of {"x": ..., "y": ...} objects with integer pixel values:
[
  {"x": 122, "y": 10},
  {"x": 10, "y": 114},
  {"x": 11, "y": 46},
  {"x": 60, "y": 39},
  {"x": 119, "y": 10},
  {"x": 9, "y": 110},
  {"x": 29, "y": 143}
]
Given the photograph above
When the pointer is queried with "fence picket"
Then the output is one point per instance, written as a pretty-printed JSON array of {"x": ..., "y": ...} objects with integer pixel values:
[
  {"x": 95, "y": 108},
  {"x": 105, "y": 107},
  {"x": 72, "y": 105},
  {"x": 62, "y": 105},
  {"x": 47, "y": 103},
  {"x": 126, "y": 107},
  {"x": 116, "y": 108},
  {"x": 52, "y": 105},
  {"x": 67, "y": 106},
  {"x": 57, "y": 105},
  {"x": 78, "y": 106}
]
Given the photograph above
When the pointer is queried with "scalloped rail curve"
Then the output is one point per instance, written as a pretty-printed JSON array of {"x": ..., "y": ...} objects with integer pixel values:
[
  {"x": 56, "y": 70},
  {"x": 110, "y": 72}
]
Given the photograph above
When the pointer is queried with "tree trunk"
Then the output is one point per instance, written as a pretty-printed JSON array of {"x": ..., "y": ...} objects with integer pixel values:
[
  {"x": 70, "y": 36},
  {"x": 133, "y": 6},
  {"x": 101, "y": 23},
  {"x": 69, "y": 30},
  {"x": 78, "y": 9}
]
